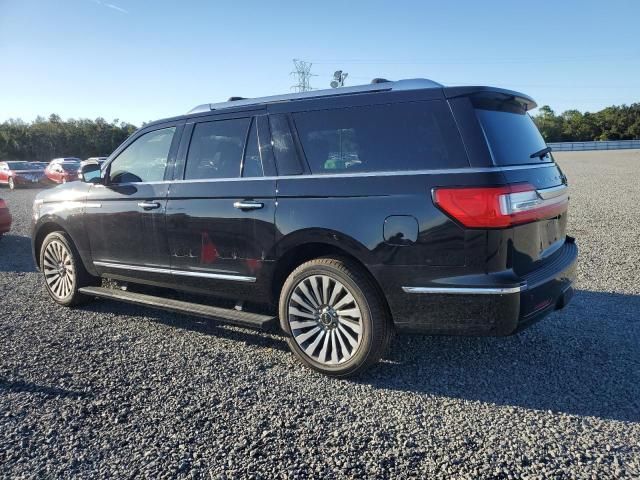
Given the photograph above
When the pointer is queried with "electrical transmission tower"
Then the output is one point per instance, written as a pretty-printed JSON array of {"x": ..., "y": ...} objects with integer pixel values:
[{"x": 303, "y": 74}]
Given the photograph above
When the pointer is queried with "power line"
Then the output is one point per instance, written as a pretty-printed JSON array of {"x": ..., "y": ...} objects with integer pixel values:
[
  {"x": 476, "y": 61},
  {"x": 303, "y": 73}
]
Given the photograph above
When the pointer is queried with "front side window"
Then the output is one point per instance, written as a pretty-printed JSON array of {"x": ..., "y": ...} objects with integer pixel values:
[
  {"x": 145, "y": 160},
  {"x": 399, "y": 136},
  {"x": 216, "y": 149}
]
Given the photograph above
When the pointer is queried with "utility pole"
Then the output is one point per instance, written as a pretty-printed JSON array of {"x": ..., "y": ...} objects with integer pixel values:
[
  {"x": 338, "y": 79},
  {"x": 303, "y": 74}
]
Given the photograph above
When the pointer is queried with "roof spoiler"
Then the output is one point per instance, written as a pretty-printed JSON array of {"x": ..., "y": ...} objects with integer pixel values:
[{"x": 453, "y": 92}]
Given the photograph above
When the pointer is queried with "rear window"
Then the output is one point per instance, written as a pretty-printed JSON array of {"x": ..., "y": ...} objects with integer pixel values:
[
  {"x": 399, "y": 136},
  {"x": 510, "y": 132},
  {"x": 19, "y": 165},
  {"x": 70, "y": 166}
]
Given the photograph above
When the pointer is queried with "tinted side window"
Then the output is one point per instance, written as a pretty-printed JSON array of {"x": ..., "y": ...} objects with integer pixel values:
[
  {"x": 216, "y": 149},
  {"x": 284, "y": 146},
  {"x": 400, "y": 136},
  {"x": 252, "y": 165},
  {"x": 144, "y": 160}
]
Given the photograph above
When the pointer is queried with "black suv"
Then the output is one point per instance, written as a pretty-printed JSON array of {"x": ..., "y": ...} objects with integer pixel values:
[{"x": 356, "y": 212}]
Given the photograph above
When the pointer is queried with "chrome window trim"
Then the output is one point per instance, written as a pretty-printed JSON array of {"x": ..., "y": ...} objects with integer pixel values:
[
  {"x": 170, "y": 271},
  {"x": 466, "y": 290},
  {"x": 393, "y": 173}
]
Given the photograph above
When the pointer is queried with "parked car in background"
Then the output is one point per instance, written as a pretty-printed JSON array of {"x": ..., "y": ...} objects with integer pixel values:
[
  {"x": 98, "y": 160},
  {"x": 63, "y": 170},
  {"x": 353, "y": 212},
  {"x": 19, "y": 173},
  {"x": 5, "y": 218},
  {"x": 40, "y": 165}
]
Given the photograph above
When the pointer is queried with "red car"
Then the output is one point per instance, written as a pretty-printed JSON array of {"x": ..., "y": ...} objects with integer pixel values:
[
  {"x": 16, "y": 173},
  {"x": 63, "y": 170},
  {"x": 5, "y": 218}
]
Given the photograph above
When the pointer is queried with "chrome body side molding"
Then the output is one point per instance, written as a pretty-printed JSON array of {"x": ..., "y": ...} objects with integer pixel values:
[{"x": 170, "y": 271}]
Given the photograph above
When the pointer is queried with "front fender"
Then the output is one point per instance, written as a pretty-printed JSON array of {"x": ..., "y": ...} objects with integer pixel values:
[{"x": 62, "y": 208}]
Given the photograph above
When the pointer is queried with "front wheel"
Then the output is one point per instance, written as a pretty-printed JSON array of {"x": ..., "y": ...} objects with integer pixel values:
[
  {"x": 12, "y": 184},
  {"x": 63, "y": 270},
  {"x": 334, "y": 317}
]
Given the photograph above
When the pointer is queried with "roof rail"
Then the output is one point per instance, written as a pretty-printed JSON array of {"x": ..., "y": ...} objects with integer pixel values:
[{"x": 380, "y": 86}]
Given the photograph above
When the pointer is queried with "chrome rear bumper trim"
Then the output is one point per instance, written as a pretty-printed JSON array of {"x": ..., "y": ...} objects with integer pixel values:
[{"x": 466, "y": 290}]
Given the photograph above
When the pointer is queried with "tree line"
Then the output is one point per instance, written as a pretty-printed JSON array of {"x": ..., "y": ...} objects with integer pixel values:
[
  {"x": 44, "y": 139},
  {"x": 612, "y": 123}
]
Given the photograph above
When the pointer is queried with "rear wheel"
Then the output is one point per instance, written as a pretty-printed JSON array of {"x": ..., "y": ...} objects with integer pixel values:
[
  {"x": 12, "y": 184},
  {"x": 334, "y": 317},
  {"x": 63, "y": 270}
]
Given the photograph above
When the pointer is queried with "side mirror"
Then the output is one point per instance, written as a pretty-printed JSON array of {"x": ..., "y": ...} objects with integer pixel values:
[{"x": 90, "y": 173}]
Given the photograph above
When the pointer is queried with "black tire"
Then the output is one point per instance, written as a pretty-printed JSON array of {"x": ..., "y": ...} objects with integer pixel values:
[
  {"x": 334, "y": 331},
  {"x": 59, "y": 249},
  {"x": 12, "y": 184}
]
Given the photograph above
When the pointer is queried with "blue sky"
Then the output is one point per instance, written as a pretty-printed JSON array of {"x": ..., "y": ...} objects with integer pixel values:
[{"x": 140, "y": 60}]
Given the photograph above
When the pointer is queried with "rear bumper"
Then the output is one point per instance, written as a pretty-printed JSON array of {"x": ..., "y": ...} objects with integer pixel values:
[
  {"x": 26, "y": 182},
  {"x": 499, "y": 304}
]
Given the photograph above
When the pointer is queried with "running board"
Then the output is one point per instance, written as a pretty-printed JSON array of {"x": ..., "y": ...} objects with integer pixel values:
[{"x": 228, "y": 315}]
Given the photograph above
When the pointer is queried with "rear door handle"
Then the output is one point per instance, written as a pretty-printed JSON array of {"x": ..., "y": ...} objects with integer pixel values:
[
  {"x": 149, "y": 205},
  {"x": 248, "y": 205}
]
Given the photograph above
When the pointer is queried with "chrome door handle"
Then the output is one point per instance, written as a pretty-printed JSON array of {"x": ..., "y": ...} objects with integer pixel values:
[
  {"x": 248, "y": 205},
  {"x": 149, "y": 205}
]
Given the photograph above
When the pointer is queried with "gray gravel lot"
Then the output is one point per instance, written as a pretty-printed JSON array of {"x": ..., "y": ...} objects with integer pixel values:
[{"x": 115, "y": 391}]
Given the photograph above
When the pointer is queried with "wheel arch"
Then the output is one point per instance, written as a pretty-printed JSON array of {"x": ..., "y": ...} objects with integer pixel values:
[
  {"x": 44, "y": 229},
  {"x": 50, "y": 224},
  {"x": 299, "y": 253}
]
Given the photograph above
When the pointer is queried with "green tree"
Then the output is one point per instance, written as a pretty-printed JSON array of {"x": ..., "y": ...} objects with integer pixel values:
[{"x": 44, "y": 139}]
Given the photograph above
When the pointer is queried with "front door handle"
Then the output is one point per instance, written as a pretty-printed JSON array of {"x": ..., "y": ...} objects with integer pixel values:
[
  {"x": 149, "y": 205},
  {"x": 248, "y": 205}
]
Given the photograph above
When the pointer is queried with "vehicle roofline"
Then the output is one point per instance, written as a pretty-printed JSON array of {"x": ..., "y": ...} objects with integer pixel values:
[{"x": 250, "y": 104}]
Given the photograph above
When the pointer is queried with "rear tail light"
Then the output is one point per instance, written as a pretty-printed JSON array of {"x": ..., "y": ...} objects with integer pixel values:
[
  {"x": 500, "y": 207},
  {"x": 2, "y": 204}
]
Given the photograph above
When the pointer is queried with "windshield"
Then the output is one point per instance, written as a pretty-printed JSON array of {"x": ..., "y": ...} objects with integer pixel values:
[{"x": 19, "y": 165}]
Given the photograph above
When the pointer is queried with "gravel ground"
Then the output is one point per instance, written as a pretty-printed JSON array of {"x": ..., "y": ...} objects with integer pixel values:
[{"x": 115, "y": 391}]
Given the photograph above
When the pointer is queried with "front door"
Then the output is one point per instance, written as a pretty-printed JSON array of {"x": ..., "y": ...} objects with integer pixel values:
[
  {"x": 221, "y": 208},
  {"x": 125, "y": 214}
]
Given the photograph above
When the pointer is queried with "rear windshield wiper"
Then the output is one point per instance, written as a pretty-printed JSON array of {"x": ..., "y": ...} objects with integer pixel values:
[{"x": 541, "y": 153}]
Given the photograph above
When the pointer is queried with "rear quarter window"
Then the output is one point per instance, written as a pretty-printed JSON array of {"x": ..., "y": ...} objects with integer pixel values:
[{"x": 389, "y": 137}]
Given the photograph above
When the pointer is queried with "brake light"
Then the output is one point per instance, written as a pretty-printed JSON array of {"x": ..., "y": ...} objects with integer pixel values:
[
  {"x": 3, "y": 205},
  {"x": 499, "y": 207}
]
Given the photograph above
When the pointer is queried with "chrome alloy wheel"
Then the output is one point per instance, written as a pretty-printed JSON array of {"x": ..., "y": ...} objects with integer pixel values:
[
  {"x": 325, "y": 319},
  {"x": 58, "y": 269}
]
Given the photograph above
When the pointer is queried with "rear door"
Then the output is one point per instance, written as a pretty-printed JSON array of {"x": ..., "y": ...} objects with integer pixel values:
[{"x": 221, "y": 207}]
